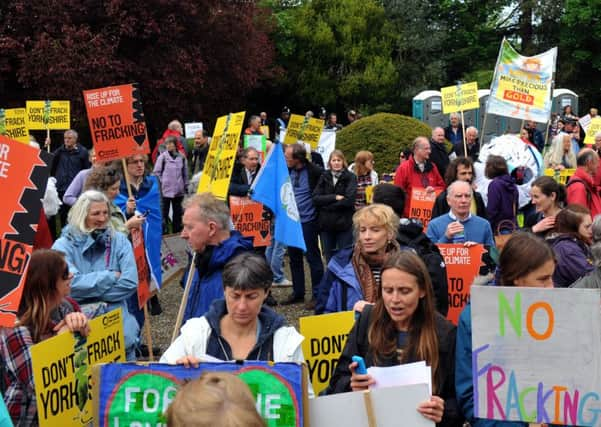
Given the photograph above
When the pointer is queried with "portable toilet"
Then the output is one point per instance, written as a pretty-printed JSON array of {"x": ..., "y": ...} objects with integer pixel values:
[
  {"x": 494, "y": 124},
  {"x": 563, "y": 97},
  {"x": 427, "y": 107}
]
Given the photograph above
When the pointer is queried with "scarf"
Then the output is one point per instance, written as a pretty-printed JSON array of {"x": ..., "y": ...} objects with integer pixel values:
[
  {"x": 362, "y": 263},
  {"x": 336, "y": 176}
]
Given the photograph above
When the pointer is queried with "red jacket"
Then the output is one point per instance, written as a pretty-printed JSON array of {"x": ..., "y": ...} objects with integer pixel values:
[
  {"x": 408, "y": 176},
  {"x": 582, "y": 190}
]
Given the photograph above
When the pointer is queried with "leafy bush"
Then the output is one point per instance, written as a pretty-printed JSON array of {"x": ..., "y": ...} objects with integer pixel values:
[{"x": 384, "y": 134}]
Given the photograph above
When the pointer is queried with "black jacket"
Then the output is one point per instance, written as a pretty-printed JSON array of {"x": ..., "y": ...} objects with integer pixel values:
[
  {"x": 335, "y": 215},
  {"x": 441, "y": 206},
  {"x": 239, "y": 185},
  {"x": 439, "y": 156},
  {"x": 357, "y": 344},
  {"x": 67, "y": 164}
]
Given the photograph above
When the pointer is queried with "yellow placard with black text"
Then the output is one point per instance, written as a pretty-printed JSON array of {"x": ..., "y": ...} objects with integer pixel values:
[
  {"x": 53, "y": 115},
  {"x": 460, "y": 97},
  {"x": 219, "y": 165},
  {"x": 62, "y": 368},
  {"x": 13, "y": 124},
  {"x": 303, "y": 129},
  {"x": 593, "y": 128},
  {"x": 325, "y": 337}
]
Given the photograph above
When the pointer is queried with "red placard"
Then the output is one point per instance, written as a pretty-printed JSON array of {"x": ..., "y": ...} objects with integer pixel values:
[
  {"x": 421, "y": 204},
  {"x": 251, "y": 220},
  {"x": 463, "y": 265},
  {"x": 137, "y": 241},
  {"x": 23, "y": 177},
  {"x": 116, "y": 121}
]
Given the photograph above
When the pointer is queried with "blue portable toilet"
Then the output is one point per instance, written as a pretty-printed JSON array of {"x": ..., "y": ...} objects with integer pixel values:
[
  {"x": 563, "y": 97},
  {"x": 427, "y": 107}
]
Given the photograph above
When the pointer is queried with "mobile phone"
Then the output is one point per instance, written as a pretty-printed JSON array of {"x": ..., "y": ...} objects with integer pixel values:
[{"x": 360, "y": 365}]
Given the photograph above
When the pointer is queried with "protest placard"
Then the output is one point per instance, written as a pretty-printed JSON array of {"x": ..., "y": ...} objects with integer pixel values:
[
  {"x": 53, "y": 115},
  {"x": 303, "y": 129},
  {"x": 461, "y": 97},
  {"x": 191, "y": 128},
  {"x": 258, "y": 142},
  {"x": 265, "y": 130},
  {"x": 23, "y": 176},
  {"x": 327, "y": 144},
  {"x": 421, "y": 204},
  {"x": 593, "y": 127},
  {"x": 522, "y": 85},
  {"x": 325, "y": 336},
  {"x": 535, "y": 355},
  {"x": 117, "y": 123},
  {"x": 174, "y": 257},
  {"x": 62, "y": 370},
  {"x": 13, "y": 124},
  {"x": 463, "y": 265},
  {"x": 219, "y": 165},
  {"x": 138, "y": 395},
  {"x": 388, "y": 407},
  {"x": 251, "y": 219},
  {"x": 137, "y": 241}
]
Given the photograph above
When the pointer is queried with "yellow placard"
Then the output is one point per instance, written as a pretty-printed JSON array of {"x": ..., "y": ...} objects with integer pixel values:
[
  {"x": 265, "y": 130},
  {"x": 219, "y": 165},
  {"x": 53, "y": 115},
  {"x": 303, "y": 129},
  {"x": 519, "y": 88},
  {"x": 15, "y": 124},
  {"x": 460, "y": 97},
  {"x": 62, "y": 368},
  {"x": 593, "y": 128},
  {"x": 369, "y": 194},
  {"x": 325, "y": 337}
]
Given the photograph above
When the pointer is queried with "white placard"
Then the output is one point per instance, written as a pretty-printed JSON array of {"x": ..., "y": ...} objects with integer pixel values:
[
  {"x": 537, "y": 354},
  {"x": 191, "y": 128}
]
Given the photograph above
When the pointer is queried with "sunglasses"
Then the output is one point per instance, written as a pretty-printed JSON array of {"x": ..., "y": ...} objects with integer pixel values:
[{"x": 66, "y": 273}]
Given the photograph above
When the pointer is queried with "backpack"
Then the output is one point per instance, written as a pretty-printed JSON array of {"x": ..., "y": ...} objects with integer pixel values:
[{"x": 430, "y": 254}]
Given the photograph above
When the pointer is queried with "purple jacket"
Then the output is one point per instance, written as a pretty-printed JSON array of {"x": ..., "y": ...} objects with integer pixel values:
[
  {"x": 172, "y": 173},
  {"x": 502, "y": 201},
  {"x": 76, "y": 187},
  {"x": 573, "y": 260}
]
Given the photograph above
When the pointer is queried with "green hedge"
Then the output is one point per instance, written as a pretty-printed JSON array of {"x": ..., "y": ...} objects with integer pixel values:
[{"x": 384, "y": 134}]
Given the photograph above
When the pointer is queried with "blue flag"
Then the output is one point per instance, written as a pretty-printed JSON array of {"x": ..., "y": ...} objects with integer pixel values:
[{"x": 273, "y": 188}]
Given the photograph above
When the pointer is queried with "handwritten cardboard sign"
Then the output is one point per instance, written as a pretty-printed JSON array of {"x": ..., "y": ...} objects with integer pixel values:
[{"x": 536, "y": 355}]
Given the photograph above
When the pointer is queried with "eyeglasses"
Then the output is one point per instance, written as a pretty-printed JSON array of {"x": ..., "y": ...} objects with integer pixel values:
[{"x": 66, "y": 273}]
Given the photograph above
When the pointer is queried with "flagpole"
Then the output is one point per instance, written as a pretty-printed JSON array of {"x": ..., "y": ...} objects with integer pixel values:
[{"x": 182, "y": 306}]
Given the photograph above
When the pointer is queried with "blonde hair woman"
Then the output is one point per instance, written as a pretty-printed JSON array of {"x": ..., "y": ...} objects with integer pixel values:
[
  {"x": 216, "y": 399},
  {"x": 561, "y": 154},
  {"x": 353, "y": 274}
]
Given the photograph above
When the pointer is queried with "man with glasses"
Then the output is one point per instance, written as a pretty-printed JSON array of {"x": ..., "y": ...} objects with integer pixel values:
[
  {"x": 418, "y": 171},
  {"x": 243, "y": 177},
  {"x": 459, "y": 225}
]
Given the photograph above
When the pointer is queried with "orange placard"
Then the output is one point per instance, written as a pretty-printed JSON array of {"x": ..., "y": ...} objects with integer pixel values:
[
  {"x": 463, "y": 265},
  {"x": 23, "y": 176},
  {"x": 116, "y": 121},
  {"x": 251, "y": 219},
  {"x": 137, "y": 241},
  {"x": 421, "y": 204}
]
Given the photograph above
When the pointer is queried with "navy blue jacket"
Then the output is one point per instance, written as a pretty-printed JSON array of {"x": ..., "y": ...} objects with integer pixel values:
[{"x": 67, "y": 164}]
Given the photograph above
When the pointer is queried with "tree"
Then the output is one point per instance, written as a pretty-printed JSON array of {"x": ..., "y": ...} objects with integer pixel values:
[
  {"x": 336, "y": 52},
  {"x": 193, "y": 58}
]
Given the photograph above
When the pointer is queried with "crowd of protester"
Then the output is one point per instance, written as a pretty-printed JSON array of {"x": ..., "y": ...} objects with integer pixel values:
[{"x": 376, "y": 260}]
